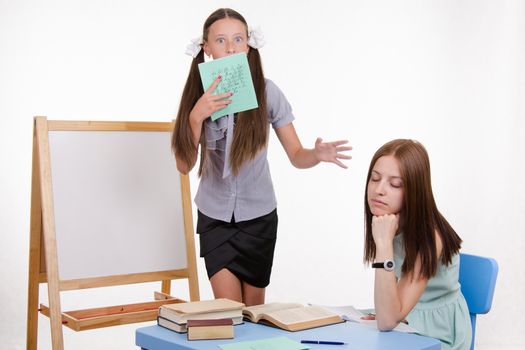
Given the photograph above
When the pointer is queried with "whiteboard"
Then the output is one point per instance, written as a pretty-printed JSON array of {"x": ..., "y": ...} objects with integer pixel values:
[{"x": 117, "y": 202}]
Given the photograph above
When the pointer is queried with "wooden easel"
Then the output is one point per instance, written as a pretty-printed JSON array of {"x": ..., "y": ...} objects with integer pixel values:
[{"x": 43, "y": 259}]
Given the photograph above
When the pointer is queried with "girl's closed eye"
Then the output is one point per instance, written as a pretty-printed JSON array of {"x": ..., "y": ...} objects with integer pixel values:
[
  {"x": 396, "y": 184},
  {"x": 375, "y": 178}
]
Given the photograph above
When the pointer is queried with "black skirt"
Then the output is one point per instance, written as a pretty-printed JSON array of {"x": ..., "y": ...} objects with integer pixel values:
[{"x": 245, "y": 248}]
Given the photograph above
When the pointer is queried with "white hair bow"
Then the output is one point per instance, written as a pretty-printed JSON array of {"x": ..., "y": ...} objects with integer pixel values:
[
  {"x": 256, "y": 38},
  {"x": 194, "y": 47}
]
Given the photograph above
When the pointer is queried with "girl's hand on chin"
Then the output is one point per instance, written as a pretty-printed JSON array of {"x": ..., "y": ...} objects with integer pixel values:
[{"x": 384, "y": 228}]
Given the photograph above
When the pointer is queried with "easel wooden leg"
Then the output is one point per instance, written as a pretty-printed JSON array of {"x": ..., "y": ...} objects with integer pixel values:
[
  {"x": 32, "y": 312},
  {"x": 32, "y": 299},
  {"x": 194, "y": 287},
  {"x": 48, "y": 230},
  {"x": 193, "y": 281},
  {"x": 55, "y": 317},
  {"x": 34, "y": 254},
  {"x": 166, "y": 287}
]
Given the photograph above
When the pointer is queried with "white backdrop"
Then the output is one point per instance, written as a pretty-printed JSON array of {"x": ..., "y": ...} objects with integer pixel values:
[{"x": 450, "y": 74}]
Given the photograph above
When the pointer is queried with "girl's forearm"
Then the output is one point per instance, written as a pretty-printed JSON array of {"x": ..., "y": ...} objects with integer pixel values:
[
  {"x": 195, "y": 126},
  {"x": 386, "y": 296},
  {"x": 304, "y": 158}
]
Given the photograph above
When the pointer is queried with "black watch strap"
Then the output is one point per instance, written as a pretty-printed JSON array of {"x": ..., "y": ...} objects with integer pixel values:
[{"x": 387, "y": 265}]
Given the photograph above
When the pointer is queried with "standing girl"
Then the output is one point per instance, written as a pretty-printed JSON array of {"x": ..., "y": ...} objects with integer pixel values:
[
  {"x": 237, "y": 217},
  {"x": 413, "y": 247}
]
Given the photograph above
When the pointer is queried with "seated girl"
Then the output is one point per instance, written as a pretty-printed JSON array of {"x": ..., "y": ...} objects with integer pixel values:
[{"x": 414, "y": 249}]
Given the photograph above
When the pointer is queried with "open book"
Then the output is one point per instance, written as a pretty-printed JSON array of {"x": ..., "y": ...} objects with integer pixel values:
[
  {"x": 290, "y": 316},
  {"x": 349, "y": 313}
]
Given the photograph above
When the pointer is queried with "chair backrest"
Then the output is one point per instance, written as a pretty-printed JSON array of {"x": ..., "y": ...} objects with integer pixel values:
[{"x": 477, "y": 276}]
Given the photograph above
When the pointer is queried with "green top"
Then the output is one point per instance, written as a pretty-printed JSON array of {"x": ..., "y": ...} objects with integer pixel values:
[{"x": 442, "y": 311}]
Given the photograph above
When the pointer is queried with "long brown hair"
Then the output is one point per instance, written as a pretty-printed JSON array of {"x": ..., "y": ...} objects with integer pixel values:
[
  {"x": 251, "y": 129},
  {"x": 419, "y": 216}
]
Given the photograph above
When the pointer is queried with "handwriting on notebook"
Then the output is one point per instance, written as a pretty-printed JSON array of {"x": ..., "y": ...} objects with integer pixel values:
[{"x": 235, "y": 77}]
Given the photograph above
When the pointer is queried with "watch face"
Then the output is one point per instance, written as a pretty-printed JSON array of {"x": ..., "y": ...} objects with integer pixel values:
[{"x": 389, "y": 265}]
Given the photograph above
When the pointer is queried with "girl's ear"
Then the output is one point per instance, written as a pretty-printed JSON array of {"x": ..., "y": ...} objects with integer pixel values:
[{"x": 206, "y": 48}]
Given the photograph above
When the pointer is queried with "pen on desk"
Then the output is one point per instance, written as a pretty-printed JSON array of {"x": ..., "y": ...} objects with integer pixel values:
[{"x": 325, "y": 342}]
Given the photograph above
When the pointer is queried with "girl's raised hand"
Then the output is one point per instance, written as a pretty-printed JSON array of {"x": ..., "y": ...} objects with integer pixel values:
[
  {"x": 384, "y": 228},
  {"x": 208, "y": 103},
  {"x": 331, "y": 151}
]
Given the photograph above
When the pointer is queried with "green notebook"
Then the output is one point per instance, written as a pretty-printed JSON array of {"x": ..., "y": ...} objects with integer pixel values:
[
  {"x": 278, "y": 343},
  {"x": 236, "y": 77}
]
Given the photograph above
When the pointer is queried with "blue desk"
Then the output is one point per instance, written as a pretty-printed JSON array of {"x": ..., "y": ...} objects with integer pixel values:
[{"x": 357, "y": 336}]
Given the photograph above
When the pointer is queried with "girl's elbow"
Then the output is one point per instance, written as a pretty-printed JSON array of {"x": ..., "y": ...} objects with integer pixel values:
[
  {"x": 296, "y": 164},
  {"x": 386, "y": 325},
  {"x": 297, "y": 159}
]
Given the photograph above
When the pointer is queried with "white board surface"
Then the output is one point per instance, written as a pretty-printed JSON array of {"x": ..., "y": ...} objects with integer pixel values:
[{"x": 117, "y": 202}]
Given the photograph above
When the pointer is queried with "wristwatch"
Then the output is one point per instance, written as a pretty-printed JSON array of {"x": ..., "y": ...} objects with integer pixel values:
[{"x": 388, "y": 265}]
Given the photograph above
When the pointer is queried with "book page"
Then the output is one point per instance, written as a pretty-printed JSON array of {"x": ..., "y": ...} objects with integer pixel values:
[
  {"x": 205, "y": 306},
  {"x": 255, "y": 312},
  {"x": 349, "y": 313},
  {"x": 300, "y": 314}
]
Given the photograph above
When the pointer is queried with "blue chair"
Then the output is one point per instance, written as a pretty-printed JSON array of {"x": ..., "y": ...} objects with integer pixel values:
[{"x": 477, "y": 276}]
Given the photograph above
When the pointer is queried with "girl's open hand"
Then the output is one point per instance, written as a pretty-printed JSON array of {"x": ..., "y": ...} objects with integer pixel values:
[
  {"x": 208, "y": 103},
  {"x": 369, "y": 317},
  {"x": 332, "y": 151},
  {"x": 384, "y": 228}
]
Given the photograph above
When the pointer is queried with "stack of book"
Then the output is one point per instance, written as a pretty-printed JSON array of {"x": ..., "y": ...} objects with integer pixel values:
[{"x": 176, "y": 316}]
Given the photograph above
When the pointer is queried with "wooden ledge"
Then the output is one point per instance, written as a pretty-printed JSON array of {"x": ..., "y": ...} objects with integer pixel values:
[{"x": 81, "y": 320}]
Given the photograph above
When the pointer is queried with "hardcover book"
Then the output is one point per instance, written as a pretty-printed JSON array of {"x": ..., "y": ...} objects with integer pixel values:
[
  {"x": 208, "y": 309},
  {"x": 210, "y": 329},
  {"x": 183, "y": 327}
]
